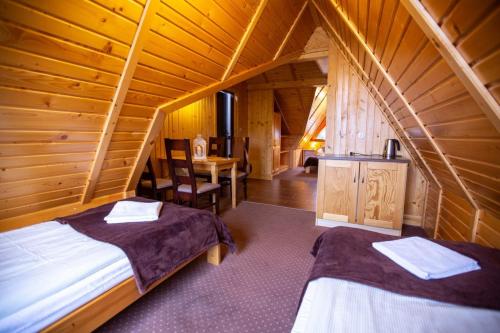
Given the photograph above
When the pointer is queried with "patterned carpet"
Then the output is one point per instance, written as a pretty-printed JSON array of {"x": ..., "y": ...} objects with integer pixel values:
[{"x": 255, "y": 290}]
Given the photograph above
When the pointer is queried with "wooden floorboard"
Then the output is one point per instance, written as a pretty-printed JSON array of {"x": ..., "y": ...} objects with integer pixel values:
[{"x": 292, "y": 189}]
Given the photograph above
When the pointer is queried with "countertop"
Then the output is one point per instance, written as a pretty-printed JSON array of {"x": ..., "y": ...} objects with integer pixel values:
[{"x": 363, "y": 158}]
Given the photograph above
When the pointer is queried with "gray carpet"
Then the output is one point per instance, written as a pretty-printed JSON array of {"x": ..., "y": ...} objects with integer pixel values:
[{"x": 255, "y": 290}]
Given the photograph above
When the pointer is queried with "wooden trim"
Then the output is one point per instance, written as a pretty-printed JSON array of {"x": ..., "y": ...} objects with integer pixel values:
[
  {"x": 290, "y": 31},
  {"x": 154, "y": 129},
  {"x": 314, "y": 55},
  {"x": 426, "y": 200},
  {"x": 333, "y": 223},
  {"x": 244, "y": 39},
  {"x": 355, "y": 61},
  {"x": 215, "y": 87},
  {"x": 142, "y": 31},
  {"x": 438, "y": 213},
  {"x": 410, "y": 109},
  {"x": 281, "y": 112},
  {"x": 455, "y": 60},
  {"x": 477, "y": 217},
  {"x": 288, "y": 84},
  {"x": 51, "y": 213},
  {"x": 96, "y": 312}
]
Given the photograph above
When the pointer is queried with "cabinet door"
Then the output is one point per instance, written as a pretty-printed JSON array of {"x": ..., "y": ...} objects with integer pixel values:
[
  {"x": 337, "y": 190},
  {"x": 276, "y": 158},
  {"x": 381, "y": 194}
]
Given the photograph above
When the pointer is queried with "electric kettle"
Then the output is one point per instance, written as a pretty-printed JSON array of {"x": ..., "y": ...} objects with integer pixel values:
[{"x": 390, "y": 148}]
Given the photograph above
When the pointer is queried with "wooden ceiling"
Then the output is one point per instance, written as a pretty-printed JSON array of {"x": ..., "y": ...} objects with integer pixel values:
[
  {"x": 81, "y": 82},
  {"x": 85, "y": 83},
  {"x": 412, "y": 56},
  {"x": 294, "y": 85}
]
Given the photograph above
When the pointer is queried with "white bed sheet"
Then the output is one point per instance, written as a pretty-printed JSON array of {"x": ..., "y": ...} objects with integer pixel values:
[
  {"x": 48, "y": 270},
  {"x": 334, "y": 306}
]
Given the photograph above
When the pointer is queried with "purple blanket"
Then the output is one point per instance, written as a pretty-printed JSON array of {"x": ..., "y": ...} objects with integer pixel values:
[
  {"x": 347, "y": 253},
  {"x": 157, "y": 248}
]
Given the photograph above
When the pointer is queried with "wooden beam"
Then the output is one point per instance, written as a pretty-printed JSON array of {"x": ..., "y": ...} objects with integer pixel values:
[
  {"x": 477, "y": 217},
  {"x": 290, "y": 31},
  {"x": 321, "y": 81},
  {"x": 281, "y": 112},
  {"x": 154, "y": 129},
  {"x": 244, "y": 39},
  {"x": 310, "y": 56},
  {"x": 438, "y": 213},
  {"x": 215, "y": 87},
  {"x": 410, "y": 108},
  {"x": 452, "y": 56},
  {"x": 354, "y": 60},
  {"x": 148, "y": 14}
]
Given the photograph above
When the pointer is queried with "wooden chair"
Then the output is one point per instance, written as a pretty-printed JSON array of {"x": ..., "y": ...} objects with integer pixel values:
[
  {"x": 240, "y": 149},
  {"x": 185, "y": 186},
  {"x": 152, "y": 186},
  {"x": 216, "y": 146}
]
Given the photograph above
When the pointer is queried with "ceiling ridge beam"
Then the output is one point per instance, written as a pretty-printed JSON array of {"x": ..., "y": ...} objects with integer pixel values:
[
  {"x": 455, "y": 60},
  {"x": 118, "y": 100},
  {"x": 220, "y": 85},
  {"x": 372, "y": 86},
  {"x": 290, "y": 31},
  {"x": 154, "y": 129},
  {"x": 289, "y": 84},
  {"x": 412, "y": 111},
  {"x": 244, "y": 39}
]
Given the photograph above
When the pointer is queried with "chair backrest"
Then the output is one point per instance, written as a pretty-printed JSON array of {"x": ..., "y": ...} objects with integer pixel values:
[
  {"x": 241, "y": 147},
  {"x": 216, "y": 146},
  {"x": 149, "y": 174},
  {"x": 179, "y": 162}
]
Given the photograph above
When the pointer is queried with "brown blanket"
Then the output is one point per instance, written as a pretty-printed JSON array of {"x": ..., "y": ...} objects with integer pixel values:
[
  {"x": 347, "y": 253},
  {"x": 157, "y": 248}
]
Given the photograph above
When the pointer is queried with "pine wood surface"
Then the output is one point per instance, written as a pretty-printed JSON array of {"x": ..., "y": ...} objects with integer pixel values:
[{"x": 61, "y": 63}]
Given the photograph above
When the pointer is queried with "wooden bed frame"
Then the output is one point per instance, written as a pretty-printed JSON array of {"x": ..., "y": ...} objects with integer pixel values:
[
  {"x": 96, "y": 312},
  {"x": 90, "y": 316}
]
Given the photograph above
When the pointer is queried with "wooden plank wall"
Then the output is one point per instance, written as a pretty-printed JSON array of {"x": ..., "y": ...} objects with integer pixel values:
[
  {"x": 186, "y": 123},
  {"x": 60, "y": 62},
  {"x": 488, "y": 230},
  {"x": 260, "y": 124},
  {"x": 58, "y": 75},
  {"x": 456, "y": 218},
  {"x": 360, "y": 126},
  {"x": 425, "y": 96},
  {"x": 431, "y": 208},
  {"x": 200, "y": 118}
]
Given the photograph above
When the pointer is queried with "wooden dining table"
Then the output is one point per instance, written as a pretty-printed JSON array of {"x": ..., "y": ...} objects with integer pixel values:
[{"x": 214, "y": 165}]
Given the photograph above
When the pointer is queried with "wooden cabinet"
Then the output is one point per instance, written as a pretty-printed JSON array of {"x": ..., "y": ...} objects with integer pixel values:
[
  {"x": 276, "y": 158},
  {"x": 276, "y": 141},
  {"x": 361, "y": 194}
]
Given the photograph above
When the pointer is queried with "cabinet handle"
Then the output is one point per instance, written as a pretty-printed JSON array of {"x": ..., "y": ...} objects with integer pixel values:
[
  {"x": 363, "y": 180},
  {"x": 354, "y": 180}
]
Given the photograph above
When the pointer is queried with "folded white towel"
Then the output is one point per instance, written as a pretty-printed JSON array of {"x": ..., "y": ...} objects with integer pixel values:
[
  {"x": 133, "y": 211},
  {"x": 426, "y": 259}
]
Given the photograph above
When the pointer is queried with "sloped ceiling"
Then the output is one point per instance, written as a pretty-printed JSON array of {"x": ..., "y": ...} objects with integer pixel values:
[
  {"x": 443, "y": 119},
  {"x": 63, "y": 62},
  {"x": 65, "y": 136},
  {"x": 294, "y": 85}
]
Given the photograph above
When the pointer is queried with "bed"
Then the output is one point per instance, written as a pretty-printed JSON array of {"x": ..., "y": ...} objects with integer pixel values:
[
  {"x": 55, "y": 278},
  {"x": 347, "y": 292}
]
